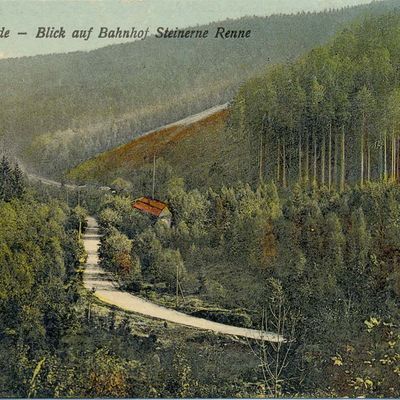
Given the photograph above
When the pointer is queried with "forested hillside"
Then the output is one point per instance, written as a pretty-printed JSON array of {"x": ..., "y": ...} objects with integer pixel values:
[
  {"x": 296, "y": 230},
  {"x": 56, "y": 341},
  {"x": 299, "y": 230},
  {"x": 39, "y": 251},
  {"x": 59, "y": 110},
  {"x": 318, "y": 266},
  {"x": 330, "y": 118}
]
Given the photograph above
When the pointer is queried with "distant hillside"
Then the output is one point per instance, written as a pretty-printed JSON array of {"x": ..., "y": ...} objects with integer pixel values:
[{"x": 59, "y": 110}]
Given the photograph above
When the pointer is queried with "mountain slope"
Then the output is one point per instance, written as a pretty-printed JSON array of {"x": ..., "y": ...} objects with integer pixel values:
[
  {"x": 202, "y": 139},
  {"x": 59, "y": 110},
  {"x": 330, "y": 118}
]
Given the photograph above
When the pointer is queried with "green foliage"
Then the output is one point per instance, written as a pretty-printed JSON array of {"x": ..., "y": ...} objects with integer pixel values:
[
  {"x": 115, "y": 252},
  {"x": 11, "y": 181},
  {"x": 109, "y": 218},
  {"x": 37, "y": 257},
  {"x": 370, "y": 365},
  {"x": 77, "y": 219},
  {"x": 171, "y": 268},
  {"x": 121, "y": 185},
  {"x": 337, "y": 101},
  {"x": 108, "y": 376},
  {"x": 180, "y": 380},
  {"x": 116, "y": 211}
]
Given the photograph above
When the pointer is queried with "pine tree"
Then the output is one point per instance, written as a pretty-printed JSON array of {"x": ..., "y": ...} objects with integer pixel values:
[
  {"x": 5, "y": 180},
  {"x": 358, "y": 249},
  {"x": 18, "y": 183}
]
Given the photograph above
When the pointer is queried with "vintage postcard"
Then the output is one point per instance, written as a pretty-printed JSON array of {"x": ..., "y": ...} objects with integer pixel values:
[{"x": 199, "y": 198}]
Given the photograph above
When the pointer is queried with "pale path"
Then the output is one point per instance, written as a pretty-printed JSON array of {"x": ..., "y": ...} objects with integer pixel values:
[{"x": 106, "y": 290}]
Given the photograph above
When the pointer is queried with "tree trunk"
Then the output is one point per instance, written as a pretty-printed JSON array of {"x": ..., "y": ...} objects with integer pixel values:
[
  {"x": 396, "y": 174},
  {"x": 362, "y": 160},
  {"x": 369, "y": 163},
  {"x": 307, "y": 149},
  {"x": 300, "y": 166},
  {"x": 278, "y": 163},
  {"x": 261, "y": 159},
  {"x": 396, "y": 158},
  {"x": 335, "y": 164},
  {"x": 315, "y": 160},
  {"x": 323, "y": 162},
  {"x": 343, "y": 162},
  {"x": 284, "y": 164},
  {"x": 393, "y": 176},
  {"x": 265, "y": 160},
  {"x": 381, "y": 160},
  {"x": 330, "y": 157},
  {"x": 385, "y": 174}
]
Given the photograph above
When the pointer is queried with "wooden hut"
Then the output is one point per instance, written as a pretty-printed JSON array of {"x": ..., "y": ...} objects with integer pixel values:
[{"x": 153, "y": 207}]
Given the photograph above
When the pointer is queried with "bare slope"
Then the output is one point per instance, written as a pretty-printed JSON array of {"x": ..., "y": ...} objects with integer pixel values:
[{"x": 189, "y": 146}]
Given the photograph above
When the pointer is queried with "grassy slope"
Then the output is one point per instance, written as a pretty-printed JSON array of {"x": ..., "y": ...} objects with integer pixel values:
[{"x": 208, "y": 351}]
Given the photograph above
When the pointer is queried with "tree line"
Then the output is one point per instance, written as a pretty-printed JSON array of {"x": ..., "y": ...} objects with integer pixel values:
[{"x": 330, "y": 118}]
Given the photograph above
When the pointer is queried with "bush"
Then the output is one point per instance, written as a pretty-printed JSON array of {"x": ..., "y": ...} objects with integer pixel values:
[
  {"x": 171, "y": 268},
  {"x": 236, "y": 318}
]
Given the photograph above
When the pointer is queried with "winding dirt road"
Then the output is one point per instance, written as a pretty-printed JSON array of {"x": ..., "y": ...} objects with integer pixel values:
[{"x": 106, "y": 290}]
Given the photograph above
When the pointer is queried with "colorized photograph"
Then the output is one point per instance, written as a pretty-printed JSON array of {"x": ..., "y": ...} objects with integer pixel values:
[{"x": 199, "y": 199}]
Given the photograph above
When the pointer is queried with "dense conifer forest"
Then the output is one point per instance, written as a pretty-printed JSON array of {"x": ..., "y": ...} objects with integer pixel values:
[
  {"x": 318, "y": 265},
  {"x": 331, "y": 118}
]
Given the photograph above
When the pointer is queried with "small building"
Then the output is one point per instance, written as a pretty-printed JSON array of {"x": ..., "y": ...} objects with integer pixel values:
[{"x": 153, "y": 207}]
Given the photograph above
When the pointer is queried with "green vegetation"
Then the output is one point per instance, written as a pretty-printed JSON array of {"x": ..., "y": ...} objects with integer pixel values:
[
  {"x": 296, "y": 231},
  {"x": 60, "y": 110},
  {"x": 333, "y": 258},
  {"x": 11, "y": 181},
  {"x": 318, "y": 253},
  {"x": 328, "y": 259},
  {"x": 56, "y": 341},
  {"x": 329, "y": 119},
  {"x": 39, "y": 250}
]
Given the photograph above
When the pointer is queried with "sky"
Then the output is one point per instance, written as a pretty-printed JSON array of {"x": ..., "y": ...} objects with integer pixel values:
[{"x": 27, "y": 15}]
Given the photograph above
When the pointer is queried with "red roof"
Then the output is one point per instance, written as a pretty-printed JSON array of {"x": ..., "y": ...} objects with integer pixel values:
[{"x": 150, "y": 206}]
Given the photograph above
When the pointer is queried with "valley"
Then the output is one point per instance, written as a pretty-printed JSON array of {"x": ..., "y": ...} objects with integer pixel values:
[{"x": 196, "y": 220}]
